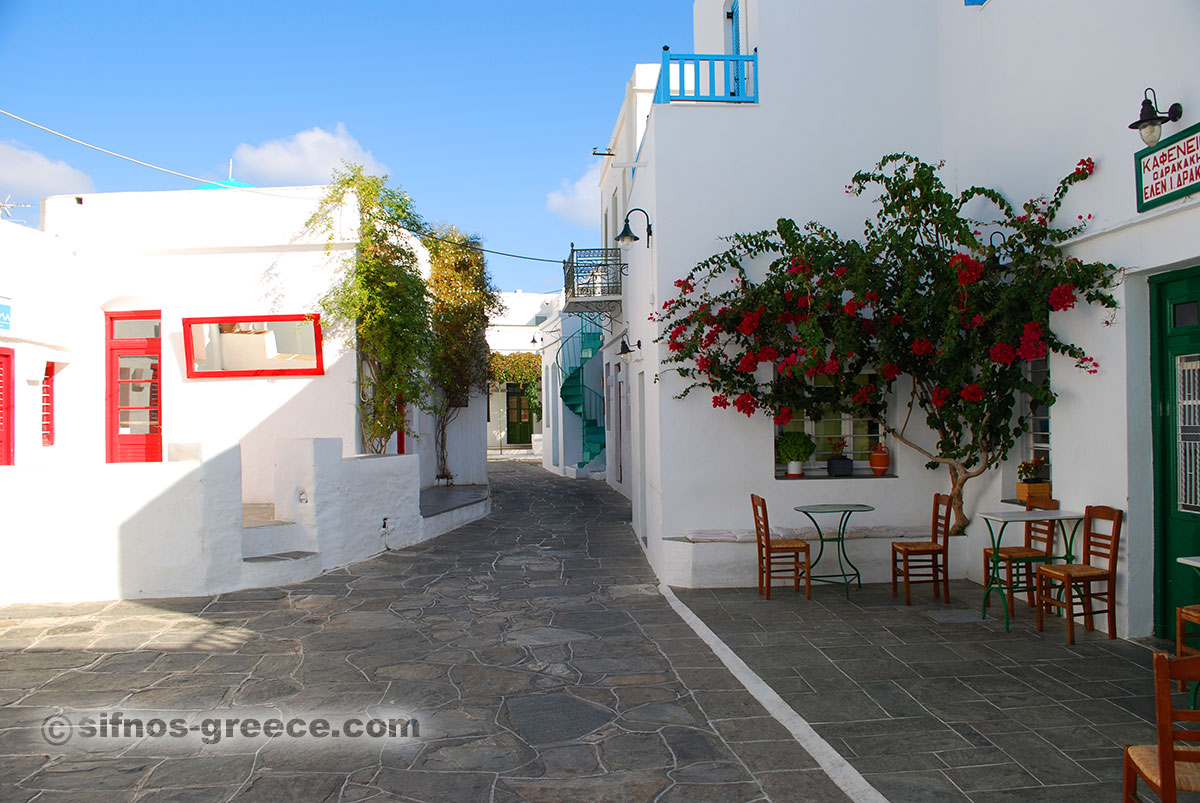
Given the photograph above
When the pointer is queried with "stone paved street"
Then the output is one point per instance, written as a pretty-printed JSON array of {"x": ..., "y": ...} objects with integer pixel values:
[{"x": 531, "y": 646}]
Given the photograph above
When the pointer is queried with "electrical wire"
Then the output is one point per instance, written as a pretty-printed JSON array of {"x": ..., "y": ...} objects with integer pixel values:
[{"x": 260, "y": 191}]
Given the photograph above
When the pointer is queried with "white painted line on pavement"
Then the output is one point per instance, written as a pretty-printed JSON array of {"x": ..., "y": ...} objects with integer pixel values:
[{"x": 840, "y": 771}]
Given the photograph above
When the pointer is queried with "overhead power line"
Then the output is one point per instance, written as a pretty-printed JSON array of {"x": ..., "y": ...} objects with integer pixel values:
[{"x": 260, "y": 191}]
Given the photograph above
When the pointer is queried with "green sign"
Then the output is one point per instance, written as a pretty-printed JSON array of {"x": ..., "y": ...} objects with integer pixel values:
[{"x": 1168, "y": 171}]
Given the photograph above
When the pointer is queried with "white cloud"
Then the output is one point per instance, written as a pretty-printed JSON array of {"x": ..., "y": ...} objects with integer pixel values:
[
  {"x": 579, "y": 202},
  {"x": 309, "y": 157},
  {"x": 28, "y": 174}
]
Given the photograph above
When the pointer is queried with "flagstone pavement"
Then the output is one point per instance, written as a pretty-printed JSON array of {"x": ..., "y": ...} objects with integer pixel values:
[{"x": 532, "y": 648}]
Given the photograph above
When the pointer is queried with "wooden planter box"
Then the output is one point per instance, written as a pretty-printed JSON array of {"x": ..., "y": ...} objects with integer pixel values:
[{"x": 1032, "y": 490}]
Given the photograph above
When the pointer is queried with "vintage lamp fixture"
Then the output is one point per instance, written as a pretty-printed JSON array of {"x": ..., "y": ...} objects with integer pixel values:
[
  {"x": 625, "y": 352},
  {"x": 627, "y": 238},
  {"x": 1149, "y": 122}
]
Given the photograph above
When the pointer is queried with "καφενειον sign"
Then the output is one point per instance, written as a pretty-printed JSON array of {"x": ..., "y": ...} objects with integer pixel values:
[{"x": 1168, "y": 171}]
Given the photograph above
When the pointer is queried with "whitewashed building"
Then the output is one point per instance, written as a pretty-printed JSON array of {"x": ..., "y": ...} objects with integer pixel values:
[
  {"x": 786, "y": 100},
  {"x": 166, "y": 378},
  {"x": 511, "y": 422}
]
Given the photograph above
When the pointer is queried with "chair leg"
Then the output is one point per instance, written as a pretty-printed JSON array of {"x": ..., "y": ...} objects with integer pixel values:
[
  {"x": 895, "y": 556},
  {"x": 1070, "y": 603},
  {"x": 807, "y": 577},
  {"x": 907, "y": 590},
  {"x": 1041, "y": 601},
  {"x": 769, "y": 577},
  {"x": 946, "y": 578},
  {"x": 1008, "y": 573},
  {"x": 1085, "y": 599},
  {"x": 796, "y": 572},
  {"x": 1112, "y": 613},
  {"x": 1129, "y": 780}
]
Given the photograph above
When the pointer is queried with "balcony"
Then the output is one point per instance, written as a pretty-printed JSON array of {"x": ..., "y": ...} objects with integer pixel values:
[
  {"x": 707, "y": 78},
  {"x": 592, "y": 280}
]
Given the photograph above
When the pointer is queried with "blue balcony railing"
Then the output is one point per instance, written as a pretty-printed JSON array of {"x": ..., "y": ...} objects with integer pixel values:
[{"x": 708, "y": 78}]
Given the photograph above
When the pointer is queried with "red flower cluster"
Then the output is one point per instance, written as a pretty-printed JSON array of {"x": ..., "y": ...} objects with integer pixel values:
[
  {"x": 1062, "y": 297},
  {"x": 897, "y": 319},
  {"x": 939, "y": 396},
  {"x": 675, "y": 345},
  {"x": 804, "y": 302},
  {"x": 720, "y": 401},
  {"x": 864, "y": 394},
  {"x": 702, "y": 362},
  {"x": 798, "y": 266},
  {"x": 972, "y": 393},
  {"x": 1032, "y": 347},
  {"x": 783, "y": 416},
  {"x": 921, "y": 347},
  {"x": 867, "y": 326},
  {"x": 890, "y": 371},
  {"x": 1003, "y": 354},
  {"x": 745, "y": 404},
  {"x": 748, "y": 363},
  {"x": 969, "y": 270},
  {"x": 767, "y": 354},
  {"x": 1085, "y": 167},
  {"x": 685, "y": 286},
  {"x": 976, "y": 320},
  {"x": 839, "y": 271},
  {"x": 852, "y": 307},
  {"x": 872, "y": 297},
  {"x": 1087, "y": 364},
  {"x": 750, "y": 323}
]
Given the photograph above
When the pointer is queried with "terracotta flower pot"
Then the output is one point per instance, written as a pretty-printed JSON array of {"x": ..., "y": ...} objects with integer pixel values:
[{"x": 880, "y": 459}]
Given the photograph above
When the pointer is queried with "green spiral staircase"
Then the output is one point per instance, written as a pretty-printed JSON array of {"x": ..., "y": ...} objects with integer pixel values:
[{"x": 578, "y": 396}]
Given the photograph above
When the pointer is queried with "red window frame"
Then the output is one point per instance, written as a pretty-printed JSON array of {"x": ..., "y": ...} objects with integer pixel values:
[
  {"x": 128, "y": 447},
  {"x": 48, "y": 406},
  {"x": 189, "y": 348},
  {"x": 7, "y": 430}
]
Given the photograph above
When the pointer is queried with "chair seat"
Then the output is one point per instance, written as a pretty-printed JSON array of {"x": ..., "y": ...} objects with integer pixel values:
[
  {"x": 1071, "y": 571},
  {"x": 788, "y": 544},
  {"x": 1145, "y": 756},
  {"x": 1017, "y": 553},
  {"x": 917, "y": 546},
  {"x": 1190, "y": 612}
]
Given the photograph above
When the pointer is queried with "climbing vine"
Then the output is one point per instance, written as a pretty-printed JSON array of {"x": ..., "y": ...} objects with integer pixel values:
[{"x": 524, "y": 369}]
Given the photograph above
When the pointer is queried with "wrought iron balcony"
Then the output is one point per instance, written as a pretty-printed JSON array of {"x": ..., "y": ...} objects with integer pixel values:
[
  {"x": 707, "y": 78},
  {"x": 592, "y": 280}
]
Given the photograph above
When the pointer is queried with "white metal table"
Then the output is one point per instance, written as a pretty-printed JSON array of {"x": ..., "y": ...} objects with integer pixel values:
[{"x": 842, "y": 576}]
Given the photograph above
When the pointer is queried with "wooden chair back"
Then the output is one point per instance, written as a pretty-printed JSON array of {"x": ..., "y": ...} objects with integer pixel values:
[
  {"x": 1177, "y": 727},
  {"x": 940, "y": 527},
  {"x": 1102, "y": 537},
  {"x": 1040, "y": 534},
  {"x": 762, "y": 527}
]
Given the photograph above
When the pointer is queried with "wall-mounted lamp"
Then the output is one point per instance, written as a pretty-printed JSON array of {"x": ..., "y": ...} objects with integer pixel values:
[
  {"x": 627, "y": 238},
  {"x": 625, "y": 352},
  {"x": 1149, "y": 122},
  {"x": 993, "y": 261}
]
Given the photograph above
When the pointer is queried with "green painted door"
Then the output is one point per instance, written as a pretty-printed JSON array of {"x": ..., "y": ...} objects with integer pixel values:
[
  {"x": 1175, "y": 332},
  {"x": 520, "y": 422}
]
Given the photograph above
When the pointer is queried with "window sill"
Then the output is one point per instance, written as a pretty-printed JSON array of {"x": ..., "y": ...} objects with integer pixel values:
[{"x": 818, "y": 474}]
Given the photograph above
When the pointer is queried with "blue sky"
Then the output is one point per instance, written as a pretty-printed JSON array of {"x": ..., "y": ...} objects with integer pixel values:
[{"x": 478, "y": 109}]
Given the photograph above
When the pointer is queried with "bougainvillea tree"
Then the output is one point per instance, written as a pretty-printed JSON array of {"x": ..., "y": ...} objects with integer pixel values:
[
  {"x": 834, "y": 323},
  {"x": 522, "y": 368}
]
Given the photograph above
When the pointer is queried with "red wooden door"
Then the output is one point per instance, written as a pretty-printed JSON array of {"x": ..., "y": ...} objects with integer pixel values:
[
  {"x": 133, "y": 398},
  {"x": 6, "y": 407}
]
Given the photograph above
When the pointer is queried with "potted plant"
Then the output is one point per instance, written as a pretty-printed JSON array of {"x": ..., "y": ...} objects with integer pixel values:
[
  {"x": 1031, "y": 483},
  {"x": 794, "y": 448},
  {"x": 837, "y": 464}
]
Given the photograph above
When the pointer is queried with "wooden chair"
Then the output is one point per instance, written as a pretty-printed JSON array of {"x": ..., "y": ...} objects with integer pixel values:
[
  {"x": 1078, "y": 581},
  {"x": 1172, "y": 764},
  {"x": 778, "y": 556},
  {"x": 1039, "y": 541},
  {"x": 926, "y": 561},
  {"x": 1184, "y": 615}
]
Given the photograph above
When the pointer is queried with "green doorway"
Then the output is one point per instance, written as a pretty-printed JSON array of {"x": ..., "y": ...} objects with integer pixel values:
[
  {"x": 1175, "y": 363},
  {"x": 520, "y": 421}
]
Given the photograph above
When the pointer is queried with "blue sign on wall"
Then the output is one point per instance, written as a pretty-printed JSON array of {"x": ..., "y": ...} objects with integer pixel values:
[{"x": 5, "y": 316}]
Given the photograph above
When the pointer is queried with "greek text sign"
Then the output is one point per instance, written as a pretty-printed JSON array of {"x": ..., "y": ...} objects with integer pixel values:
[{"x": 1168, "y": 171}]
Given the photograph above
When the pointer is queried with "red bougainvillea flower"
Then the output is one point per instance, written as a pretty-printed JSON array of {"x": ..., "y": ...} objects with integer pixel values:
[
  {"x": 677, "y": 331},
  {"x": 748, "y": 363},
  {"x": 1002, "y": 353},
  {"x": 702, "y": 362},
  {"x": 684, "y": 285},
  {"x": 939, "y": 396},
  {"x": 921, "y": 347},
  {"x": 1085, "y": 167},
  {"x": 1062, "y": 297},
  {"x": 1087, "y": 364},
  {"x": 804, "y": 302},
  {"x": 745, "y": 404},
  {"x": 797, "y": 266},
  {"x": 783, "y": 416},
  {"x": 890, "y": 371},
  {"x": 839, "y": 271},
  {"x": 720, "y": 401},
  {"x": 969, "y": 270},
  {"x": 867, "y": 326},
  {"x": 831, "y": 367},
  {"x": 1032, "y": 347},
  {"x": 872, "y": 297},
  {"x": 750, "y": 323},
  {"x": 972, "y": 393},
  {"x": 897, "y": 319},
  {"x": 864, "y": 394},
  {"x": 675, "y": 345},
  {"x": 852, "y": 307},
  {"x": 767, "y": 354}
]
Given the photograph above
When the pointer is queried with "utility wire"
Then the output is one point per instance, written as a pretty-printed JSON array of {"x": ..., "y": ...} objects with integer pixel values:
[{"x": 259, "y": 191}]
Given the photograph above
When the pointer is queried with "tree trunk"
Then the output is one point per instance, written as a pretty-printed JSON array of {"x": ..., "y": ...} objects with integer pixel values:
[{"x": 958, "y": 478}]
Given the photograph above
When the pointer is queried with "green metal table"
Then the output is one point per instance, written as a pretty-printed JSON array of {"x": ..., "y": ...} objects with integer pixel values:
[
  {"x": 845, "y": 510},
  {"x": 1006, "y": 517}
]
